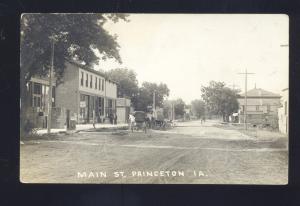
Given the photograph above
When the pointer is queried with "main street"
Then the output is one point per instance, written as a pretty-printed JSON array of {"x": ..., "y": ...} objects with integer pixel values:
[{"x": 191, "y": 152}]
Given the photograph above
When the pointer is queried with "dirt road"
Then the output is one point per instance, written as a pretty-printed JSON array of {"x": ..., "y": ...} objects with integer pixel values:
[{"x": 189, "y": 153}]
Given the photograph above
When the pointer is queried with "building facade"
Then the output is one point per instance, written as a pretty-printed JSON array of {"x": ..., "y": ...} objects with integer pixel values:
[
  {"x": 86, "y": 94},
  {"x": 262, "y": 107},
  {"x": 38, "y": 93},
  {"x": 283, "y": 112},
  {"x": 123, "y": 109}
]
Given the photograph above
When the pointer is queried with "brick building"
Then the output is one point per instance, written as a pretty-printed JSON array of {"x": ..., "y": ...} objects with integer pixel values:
[
  {"x": 262, "y": 107},
  {"x": 86, "y": 94}
]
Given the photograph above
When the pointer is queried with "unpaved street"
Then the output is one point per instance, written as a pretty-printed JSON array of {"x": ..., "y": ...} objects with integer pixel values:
[{"x": 189, "y": 153}]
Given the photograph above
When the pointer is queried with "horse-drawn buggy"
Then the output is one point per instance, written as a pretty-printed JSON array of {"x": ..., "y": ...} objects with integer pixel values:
[{"x": 139, "y": 121}]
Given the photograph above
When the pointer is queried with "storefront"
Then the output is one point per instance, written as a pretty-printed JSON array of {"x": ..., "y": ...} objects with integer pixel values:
[{"x": 92, "y": 108}]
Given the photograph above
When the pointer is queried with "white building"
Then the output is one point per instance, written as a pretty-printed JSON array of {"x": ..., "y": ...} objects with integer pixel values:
[{"x": 283, "y": 112}]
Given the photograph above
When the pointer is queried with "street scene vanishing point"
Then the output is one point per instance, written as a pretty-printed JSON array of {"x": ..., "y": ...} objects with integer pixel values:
[{"x": 115, "y": 98}]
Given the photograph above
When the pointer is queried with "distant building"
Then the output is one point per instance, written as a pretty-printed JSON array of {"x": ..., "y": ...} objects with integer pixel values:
[
  {"x": 283, "y": 112},
  {"x": 261, "y": 108}
]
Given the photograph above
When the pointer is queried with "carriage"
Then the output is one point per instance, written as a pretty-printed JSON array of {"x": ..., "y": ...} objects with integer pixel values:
[{"x": 140, "y": 121}]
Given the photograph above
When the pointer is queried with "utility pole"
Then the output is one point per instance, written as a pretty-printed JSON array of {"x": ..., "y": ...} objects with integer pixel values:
[
  {"x": 50, "y": 88},
  {"x": 245, "y": 107},
  {"x": 173, "y": 111},
  {"x": 153, "y": 104}
]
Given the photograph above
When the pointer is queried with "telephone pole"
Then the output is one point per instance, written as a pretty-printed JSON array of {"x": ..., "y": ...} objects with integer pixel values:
[
  {"x": 50, "y": 87},
  {"x": 245, "y": 106},
  {"x": 153, "y": 104}
]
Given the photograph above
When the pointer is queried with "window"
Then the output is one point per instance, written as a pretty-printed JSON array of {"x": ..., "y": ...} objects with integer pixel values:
[
  {"x": 99, "y": 84},
  {"x": 257, "y": 108},
  {"x": 81, "y": 80},
  {"x": 101, "y": 106},
  {"x": 96, "y": 82},
  {"x": 268, "y": 108},
  {"x": 36, "y": 101},
  {"x": 102, "y": 84},
  {"x": 37, "y": 88},
  {"x": 91, "y": 81},
  {"x": 40, "y": 95},
  {"x": 87, "y": 80},
  {"x": 37, "y": 95}
]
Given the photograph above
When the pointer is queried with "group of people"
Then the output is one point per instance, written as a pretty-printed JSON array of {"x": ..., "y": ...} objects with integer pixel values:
[{"x": 113, "y": 118}]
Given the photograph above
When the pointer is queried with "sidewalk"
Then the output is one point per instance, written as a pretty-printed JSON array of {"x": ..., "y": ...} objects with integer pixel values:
[{"x": 81, "y": 127}]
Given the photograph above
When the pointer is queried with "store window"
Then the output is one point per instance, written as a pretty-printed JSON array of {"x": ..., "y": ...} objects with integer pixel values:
[
  {"x": 101, "y": 106},
  {"x": 40, "y": 95}
]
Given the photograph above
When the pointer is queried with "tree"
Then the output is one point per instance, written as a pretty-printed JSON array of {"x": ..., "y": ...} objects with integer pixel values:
[
  {"x": 145, "y": 95},
  {"x": 76, "y": 35},
  {"x": 128, "y": 83},
  {"x": 198, "y": 108},
  {"x": 219, "y": 99},
  {"x": 179, "y": 107}
]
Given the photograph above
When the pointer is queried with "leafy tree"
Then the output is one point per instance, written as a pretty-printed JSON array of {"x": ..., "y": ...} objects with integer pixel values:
[
  {"x": 76, "y": 35},
  {"x": 179, "y": 106},
  {"x": 145, "y": 95},
  {"x": 128, "y": 83},
  {"x": 198, "y": 108},
  {"x": 219, "y": 99}
]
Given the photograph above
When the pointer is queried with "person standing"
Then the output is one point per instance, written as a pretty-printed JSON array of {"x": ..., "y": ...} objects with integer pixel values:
[
  {"x": 94, "y": 116},
  {"x": 131, "y": 122},
  {"x": 116, "y": 119}
]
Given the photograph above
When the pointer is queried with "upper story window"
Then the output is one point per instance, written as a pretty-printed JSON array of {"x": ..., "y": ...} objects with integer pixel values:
[
  {"x": 91, "y": 81},
  {"x": 99, "y": 84},
  {"x": 257, "y": 108},
  {"x": 37, "y": 88},
  {"x": 87, "y": 80},
  {"x": 102, "y": 84},
  {"x": 96, "y": 82},
  {"x": 81, "y": 80},
  {"x": 268, "y": 108}
]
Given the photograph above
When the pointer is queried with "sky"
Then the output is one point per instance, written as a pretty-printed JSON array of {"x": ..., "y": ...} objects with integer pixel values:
[{"x": 186, "y": 51}]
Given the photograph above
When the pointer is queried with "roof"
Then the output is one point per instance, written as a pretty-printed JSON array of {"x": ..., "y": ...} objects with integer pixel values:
[
  {"x": 260, "y": 93},
  {"x": 91, "y": 70}
]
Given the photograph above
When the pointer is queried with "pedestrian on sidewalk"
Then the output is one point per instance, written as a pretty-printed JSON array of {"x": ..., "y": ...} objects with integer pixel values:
[
  {"x": 94, "y": 119},
  {"x": 111, "y": 119},
  {"x": 116, "y": 119}
]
